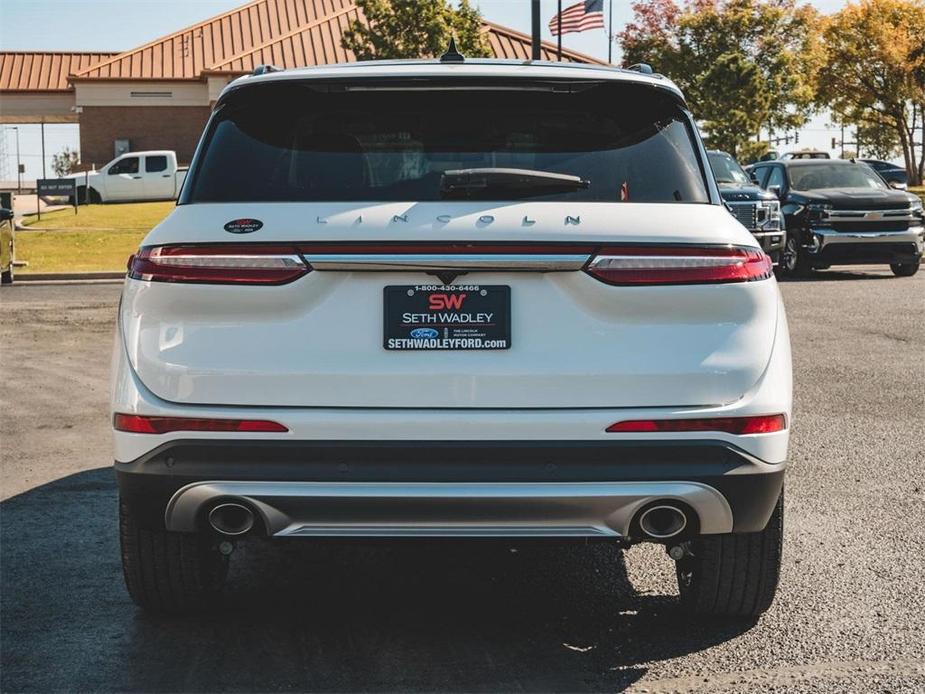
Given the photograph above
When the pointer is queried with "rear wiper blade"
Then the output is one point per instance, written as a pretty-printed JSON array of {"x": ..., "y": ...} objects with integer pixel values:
[{"x": 470, "y": 182}]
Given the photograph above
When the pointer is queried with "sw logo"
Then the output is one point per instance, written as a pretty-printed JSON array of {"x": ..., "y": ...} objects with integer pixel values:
[{"x": 438, "y": 302}]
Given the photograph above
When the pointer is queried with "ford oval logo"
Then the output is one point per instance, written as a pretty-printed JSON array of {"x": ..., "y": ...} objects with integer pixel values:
[
  {"x": 424, "y": 333},
  {"x": 243, "y": 226}
]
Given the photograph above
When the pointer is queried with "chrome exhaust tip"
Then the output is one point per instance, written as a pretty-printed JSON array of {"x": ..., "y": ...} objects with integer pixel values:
[
  {"x": 663, "y": 521},
  {"x": 231, "y": 519}
]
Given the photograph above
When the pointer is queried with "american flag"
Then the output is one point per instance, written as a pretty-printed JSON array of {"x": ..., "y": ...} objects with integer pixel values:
[{"x": 584, "y": 15}]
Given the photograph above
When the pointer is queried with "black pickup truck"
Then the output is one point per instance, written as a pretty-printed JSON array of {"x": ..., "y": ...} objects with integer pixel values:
[
  {"x": 841, "y": 212},
  {"x": 757, "y": 209}
]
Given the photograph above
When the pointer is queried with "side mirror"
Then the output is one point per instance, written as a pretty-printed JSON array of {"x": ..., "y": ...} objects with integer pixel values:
[
  {"x": 774, "y": 190},
  {"x": 754, "y": 179},
  {"x": 898, "y": 185},
  {"x": 5, "y": 214}
]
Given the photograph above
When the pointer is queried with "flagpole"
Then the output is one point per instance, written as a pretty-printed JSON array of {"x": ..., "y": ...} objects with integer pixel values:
[
  {"x": 559, "y": 33},
  {"x": 609, "y": 33}
]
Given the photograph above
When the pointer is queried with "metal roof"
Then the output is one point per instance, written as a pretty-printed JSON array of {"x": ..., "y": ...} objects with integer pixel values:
[
  {"x": 317, "y": 42},
  {"x": 43, "y": 71},
  {"x": 287, "y": 33},
  {"x": 508, "y": 44},
  {"x": 187, "y": 53}
]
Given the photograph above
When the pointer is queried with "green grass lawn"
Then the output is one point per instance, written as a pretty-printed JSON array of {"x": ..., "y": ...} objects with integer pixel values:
[{"x": 98, "y": 238}]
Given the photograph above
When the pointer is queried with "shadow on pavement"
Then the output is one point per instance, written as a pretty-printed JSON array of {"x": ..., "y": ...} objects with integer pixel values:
[
  {"x": 875, "y": 272},
  {"x": 335, "y": 616}
]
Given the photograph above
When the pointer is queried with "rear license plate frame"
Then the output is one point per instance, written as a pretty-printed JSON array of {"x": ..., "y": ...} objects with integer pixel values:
[{"x": 470, "y": 317}]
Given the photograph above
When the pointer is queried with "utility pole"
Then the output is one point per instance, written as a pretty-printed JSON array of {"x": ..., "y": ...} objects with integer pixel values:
[
  {"x": 559, "y": 33},
  {"x": 43, "y": 150},
  {"x": 535, "y": 29},
  {"x": 18, "y": 164},
  {"x": 609, "y": 33}
]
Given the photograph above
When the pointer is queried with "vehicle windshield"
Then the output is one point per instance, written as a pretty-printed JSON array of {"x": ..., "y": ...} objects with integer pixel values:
[
  {"x": 292, "y": 142},
  {"x": 816, "y": 176},
  {"x": 727, "y": 170}
]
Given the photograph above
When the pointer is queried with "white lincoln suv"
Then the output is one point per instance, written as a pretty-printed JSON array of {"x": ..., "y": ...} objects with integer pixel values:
[{"x": 455, "y": 299}]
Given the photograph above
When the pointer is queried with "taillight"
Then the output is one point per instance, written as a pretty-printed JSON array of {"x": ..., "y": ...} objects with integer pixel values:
[
  {"x": 629, "y": 265},
  {"x": 218, "y": 264},
  {"x": 141, "y": 424},
  {"x": 760, "y": 424}
]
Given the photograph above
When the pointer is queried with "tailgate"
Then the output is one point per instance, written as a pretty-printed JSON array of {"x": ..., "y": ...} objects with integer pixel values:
[{"x": 574, "y": 341}]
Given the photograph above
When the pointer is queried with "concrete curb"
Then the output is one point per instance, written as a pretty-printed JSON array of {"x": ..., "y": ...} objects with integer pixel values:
[{"x": 68, "y": 276}]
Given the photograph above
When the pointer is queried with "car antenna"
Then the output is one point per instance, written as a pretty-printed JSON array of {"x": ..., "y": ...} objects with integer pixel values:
[{"x": 452, "y": 54}]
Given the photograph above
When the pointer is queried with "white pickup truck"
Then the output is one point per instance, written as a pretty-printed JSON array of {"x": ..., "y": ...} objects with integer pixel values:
[{"x": 150, "y": 175}]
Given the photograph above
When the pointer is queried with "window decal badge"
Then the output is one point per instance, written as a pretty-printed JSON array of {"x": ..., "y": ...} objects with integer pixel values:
[{"x": 243, "y": 226}]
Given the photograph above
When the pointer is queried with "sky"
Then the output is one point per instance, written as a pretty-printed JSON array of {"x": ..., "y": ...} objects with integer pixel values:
[{"x": 115, "y": 25}]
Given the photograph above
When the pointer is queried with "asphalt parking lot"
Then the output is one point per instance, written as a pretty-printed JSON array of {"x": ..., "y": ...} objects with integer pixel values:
[{"x": 476, "y": 616}]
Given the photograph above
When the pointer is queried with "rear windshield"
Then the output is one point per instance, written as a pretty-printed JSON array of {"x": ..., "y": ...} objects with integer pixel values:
[{"x": 292, "y": 142}]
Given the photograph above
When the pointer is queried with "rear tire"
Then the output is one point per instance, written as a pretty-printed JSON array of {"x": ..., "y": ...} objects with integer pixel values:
[
  {"x": 166, "y": 571},
  {"x": 733, "y": 575},
  {"x": 904, "y": 269}
]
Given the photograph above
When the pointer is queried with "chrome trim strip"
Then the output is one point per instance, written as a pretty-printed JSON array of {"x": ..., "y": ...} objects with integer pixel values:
[
  {"x": 897, "y": 215},
  {"x": 552, "y": 262},
  {"x": 831, "y": 236},
  {"x": 497, "y": 509}
]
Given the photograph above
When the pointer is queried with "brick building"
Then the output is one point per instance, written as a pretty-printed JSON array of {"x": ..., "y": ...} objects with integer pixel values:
[{"x": 159, "y": 95}]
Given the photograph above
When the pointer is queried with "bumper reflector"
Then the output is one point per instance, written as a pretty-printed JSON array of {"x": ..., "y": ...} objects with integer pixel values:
[
  {"x": 140, "y": 424},
  {"x": 762, "y": 424}
]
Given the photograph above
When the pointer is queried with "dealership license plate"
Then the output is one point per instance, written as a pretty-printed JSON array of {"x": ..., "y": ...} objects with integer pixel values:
[{"x": 430, "y": 316}]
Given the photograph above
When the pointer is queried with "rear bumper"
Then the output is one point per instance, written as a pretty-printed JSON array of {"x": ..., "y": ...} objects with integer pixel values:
[{"x": 450, "y": 488}]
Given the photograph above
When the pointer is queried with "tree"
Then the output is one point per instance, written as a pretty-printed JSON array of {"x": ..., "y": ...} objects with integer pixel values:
[
  {"x": 742, "y": 64},
  {"x": 875, "y": 73},
  {"x": 877, "y": 142},
  {"x": 414, "y": 29},
  {"x": 64, "y": 162}
]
